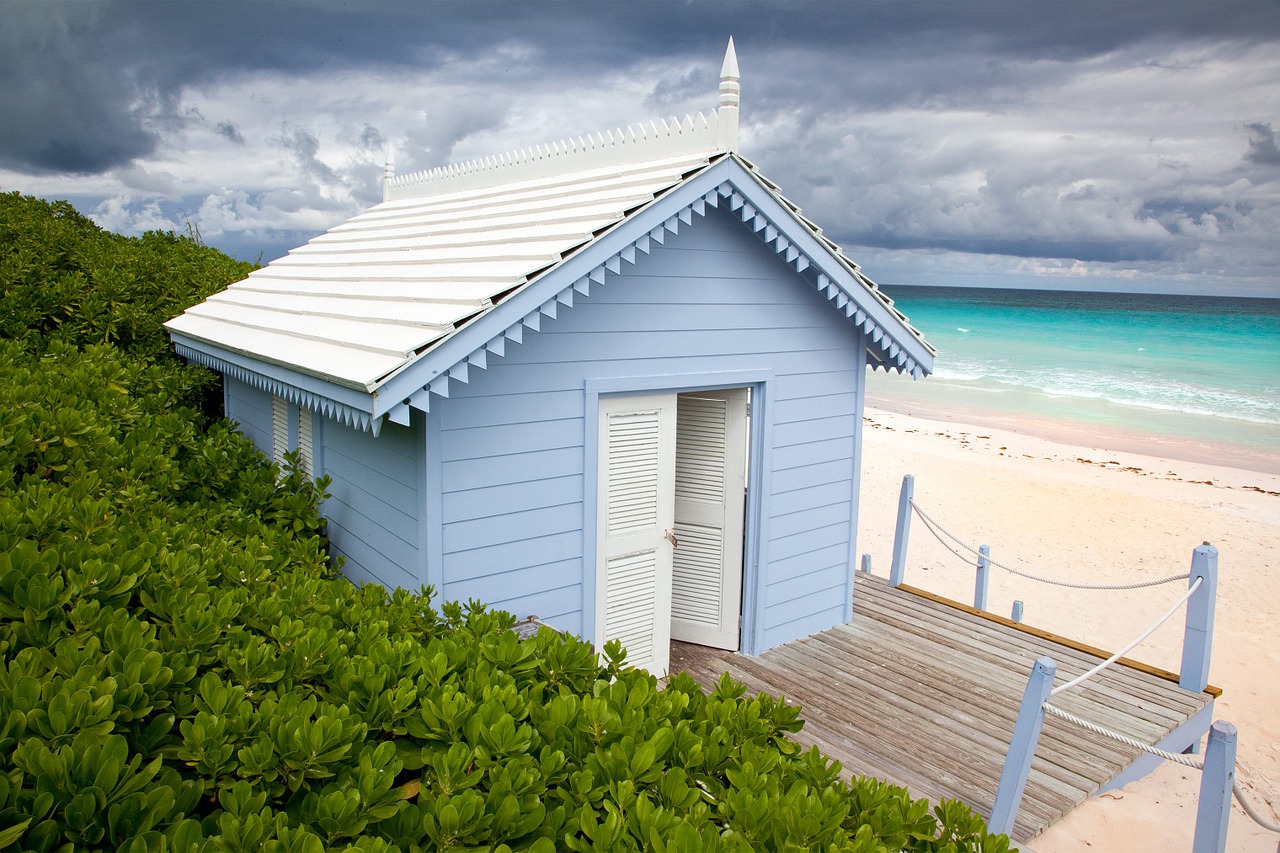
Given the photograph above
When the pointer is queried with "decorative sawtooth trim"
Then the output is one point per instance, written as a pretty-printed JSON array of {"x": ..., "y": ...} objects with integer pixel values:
[
  {"x": 695, "y": 134},
  {"x": 340, "y": 412},
  {"x": 564, "y": 298},
  {"x": 399, "y": 413},
  {"x": 726, "y": 194},
  {"x": 420, "y": 399},
  {"x": 832, "y": 290}
]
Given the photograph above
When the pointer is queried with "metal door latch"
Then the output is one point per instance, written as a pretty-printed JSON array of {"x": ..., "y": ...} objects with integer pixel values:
[{"x": 670, "y": 536}]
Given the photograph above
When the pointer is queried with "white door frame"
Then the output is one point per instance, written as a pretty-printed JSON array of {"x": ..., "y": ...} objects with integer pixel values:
[{"x": 755, "y": 521}]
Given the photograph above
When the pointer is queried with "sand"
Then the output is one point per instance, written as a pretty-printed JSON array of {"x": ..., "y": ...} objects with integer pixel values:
[{"x": 1097, "y": 515}]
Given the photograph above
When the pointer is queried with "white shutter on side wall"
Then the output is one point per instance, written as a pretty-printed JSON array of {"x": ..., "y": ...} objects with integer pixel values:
[
  {"x": 279, "y": 429},
  {"x": 305, "y": 445}
]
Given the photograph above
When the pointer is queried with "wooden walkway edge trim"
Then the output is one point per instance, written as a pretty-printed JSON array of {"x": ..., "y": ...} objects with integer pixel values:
[{"x": 1165, "y": 674}]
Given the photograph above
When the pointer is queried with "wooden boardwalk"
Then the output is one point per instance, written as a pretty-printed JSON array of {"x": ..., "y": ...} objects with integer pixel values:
[{"x": 923, "y": 693}]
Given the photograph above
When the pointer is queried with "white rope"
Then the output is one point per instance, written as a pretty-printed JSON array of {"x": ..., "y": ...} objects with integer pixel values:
[
  {"x": 1185, "y": 760},
  {"x": 939, "y": 531},
  {"x": 1249, "y": 809},
  {"x": 1147, "y": 633}
]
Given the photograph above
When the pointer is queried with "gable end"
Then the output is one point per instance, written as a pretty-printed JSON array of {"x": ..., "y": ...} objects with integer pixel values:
[{"x": 730, "y": 184}]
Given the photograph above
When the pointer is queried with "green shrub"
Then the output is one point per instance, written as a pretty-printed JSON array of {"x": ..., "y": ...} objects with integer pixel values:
[
  {"x": 64, "y": 278},
  {"x": 181, "y": 670}
]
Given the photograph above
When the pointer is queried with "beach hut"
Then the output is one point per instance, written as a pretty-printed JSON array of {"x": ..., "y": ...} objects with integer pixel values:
[{"x": 615, "y": 382}]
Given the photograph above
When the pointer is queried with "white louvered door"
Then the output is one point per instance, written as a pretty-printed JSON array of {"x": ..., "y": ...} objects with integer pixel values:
[
  {"x": 711, "y": 444},
  {"x": 635, "y": 513}
]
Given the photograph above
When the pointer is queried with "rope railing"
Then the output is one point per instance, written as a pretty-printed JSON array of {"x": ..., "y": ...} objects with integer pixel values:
[
  {"x": 1177, "y": 758},
  {"x": 1218, "y": 784},
  {"x": 1185, "y": 760},
  {"x": 1134, "y": 644},
  {"x": 940, "y": 532},
  {"x": 1251, "y": 810}
]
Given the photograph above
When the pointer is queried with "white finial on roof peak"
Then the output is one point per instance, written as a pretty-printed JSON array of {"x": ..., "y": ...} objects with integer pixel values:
[
  {"x": 388, "y": 172},
  {"x": 730, "y": 92}
]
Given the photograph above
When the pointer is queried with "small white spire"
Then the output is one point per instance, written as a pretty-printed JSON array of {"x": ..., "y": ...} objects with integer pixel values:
[
  {"x": 730, "y": 92},
  {"x": 388, "y": 172}
]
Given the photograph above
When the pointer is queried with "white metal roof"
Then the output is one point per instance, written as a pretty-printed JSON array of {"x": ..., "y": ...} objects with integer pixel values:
[
  {"x": 361, "y": 301},
  {"x": 359, "y": 305}
]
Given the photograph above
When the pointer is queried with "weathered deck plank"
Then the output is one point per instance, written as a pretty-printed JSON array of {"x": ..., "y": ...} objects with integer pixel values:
[{"x": 923, "y": 694}]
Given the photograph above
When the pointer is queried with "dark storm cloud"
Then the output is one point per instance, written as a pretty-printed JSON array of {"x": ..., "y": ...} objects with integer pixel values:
[
  {"x": 229, "y": 131},
  {"x": 1262, "y": 145},
  {"x": 83, "y": 82},
  {"x": 304, "y": 147},
  {"x": 963, "y": 127},
  {"x": 64, "y": 109}
]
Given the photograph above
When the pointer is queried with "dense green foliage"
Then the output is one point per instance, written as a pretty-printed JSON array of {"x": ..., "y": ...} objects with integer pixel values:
[{"x": 180, "y": 670}]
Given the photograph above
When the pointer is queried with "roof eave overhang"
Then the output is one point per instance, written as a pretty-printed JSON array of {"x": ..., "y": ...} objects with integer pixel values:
[
  {"x": 892, "y": 342},
  {"x": 728, "y": 183},
  {"x": 354, "y": 407}
]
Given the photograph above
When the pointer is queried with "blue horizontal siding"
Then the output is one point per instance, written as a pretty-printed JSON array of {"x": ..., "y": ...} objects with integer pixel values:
[
  {"x": 496, "y": 560},
  {"x": 816, "y": 407},
  {"x": 484, "y": 441},
  {"x": 366, "y": 564},
  {"x": 551, "y": 606},
  {"x": 392, "y": 454},
  {"x": 495, "y": 501},
  {"x": 818, "y": 382},
  {"x": 802, "y": 617},
  {"x": 808, "y": 540},
  {"x": 608, "y": 347},
  {"x": 711, "y": 300},
  {"x": 803, "y": 477},
  {"x": 806, "y": 520},
  {"x": 480, "y": 410},
  {"x": 374, "y": 512},
  {"x": 515, "y": 584},
  {"x": 807, "y": 431},
  {"x": 251, "y": 410},
  {"x": 502, "y": 469},
  {"x": 387, "y": 486},
  {"x": 806, "y": 499},
  {"x": 381, "y": 525},
  {"x": 812, "y": 452},
  {"x": 827, "y": 580},
  {"x": 516, "y": 526},
  {"x": 789, "y": 569}
]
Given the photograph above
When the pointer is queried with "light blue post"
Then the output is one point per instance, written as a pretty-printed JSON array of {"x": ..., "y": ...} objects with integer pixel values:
[
  {"x": 1197, "y": 640},
  {"x": 983, "y": 578},
  {"x": 1016, "y": 616},
  {"x": 866, "y": 563},
  {"x": 1022, "y": 746},
  {"x": 1215, "y": 790},
  {"x": 899, "y": 565}
]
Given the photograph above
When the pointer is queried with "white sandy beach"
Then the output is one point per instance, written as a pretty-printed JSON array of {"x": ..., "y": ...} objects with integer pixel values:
[{"x": 1096, "y": 515}]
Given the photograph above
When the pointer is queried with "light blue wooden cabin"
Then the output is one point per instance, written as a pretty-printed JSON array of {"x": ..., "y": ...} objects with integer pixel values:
[{"x": 615, "y": 382}]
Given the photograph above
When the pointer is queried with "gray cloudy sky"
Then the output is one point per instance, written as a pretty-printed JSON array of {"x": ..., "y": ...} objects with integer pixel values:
[{"x": 1121, "y": 145}]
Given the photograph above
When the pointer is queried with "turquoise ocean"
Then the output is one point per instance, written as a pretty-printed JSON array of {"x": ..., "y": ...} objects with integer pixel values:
[{"x": 1189, "y": 377}]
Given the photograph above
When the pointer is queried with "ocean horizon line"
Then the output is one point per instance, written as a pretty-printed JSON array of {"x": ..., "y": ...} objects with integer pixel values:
[{"x": 885, "y": 285}]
